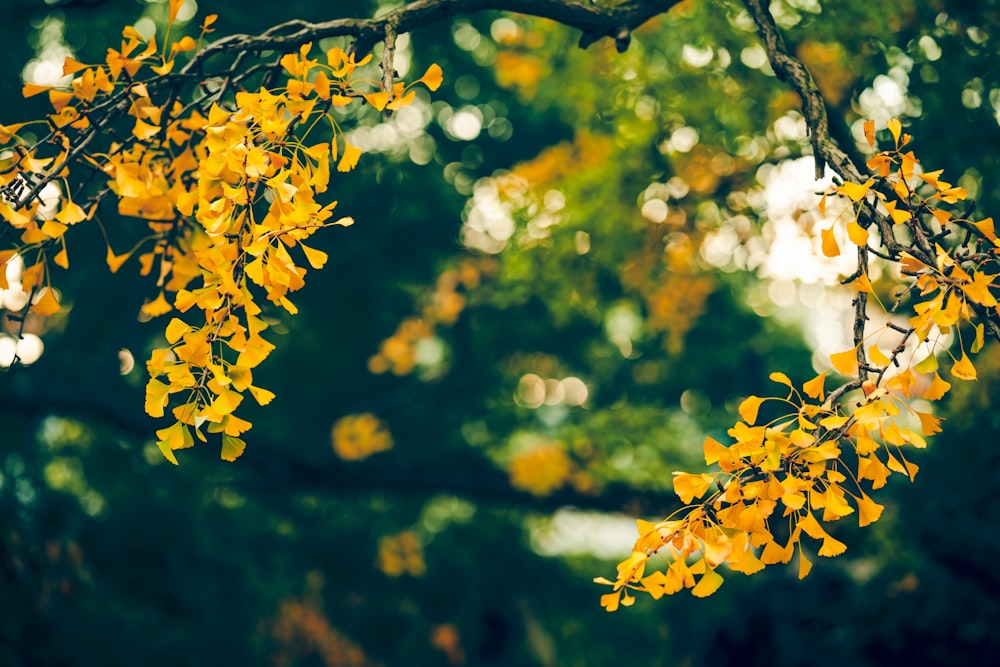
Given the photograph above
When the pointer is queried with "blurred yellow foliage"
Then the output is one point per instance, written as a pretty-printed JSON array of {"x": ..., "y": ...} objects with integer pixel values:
[
  {"x": 401, "y": 554},
  {"x": 357, "y": 437},
  {"x": 541, "y": 469},
  {"x": 302, "y": 630}
]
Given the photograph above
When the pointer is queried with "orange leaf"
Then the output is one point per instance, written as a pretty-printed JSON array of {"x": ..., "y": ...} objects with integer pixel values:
[
  {"x": 857, "y": 234},
  {"x": 855, "y": 191},
  {"x": 47, "y": 304},
  {"x": 432, "y": 78},
  {"x": 830, "y": 247},
  {"x": 869, "y": 127},
  {"x": 32, "y": 89}
]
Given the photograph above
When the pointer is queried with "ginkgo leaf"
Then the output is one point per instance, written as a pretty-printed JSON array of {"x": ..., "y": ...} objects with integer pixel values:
[
  {"x": 709, "y": 583},
  {"x": 855, "y": 191},
  {"x": 175, "y": 6},
  {"x": 805, "y": 565},
  {"x": 432, "y": 78},
  {"x": 262, "y": 396},
  {"x": 158, "y": 306},
  {"x": 937, "y": 389},
  {"x": 32, "y": 89},
  {"x": 895, "y": 127},
  {"x": 379, "y": 99},
  {"x": 869, "y": 511},
  {"x": 832, "y": 547},
  {"x": 749, "y": 408},
  {"x": 688, "y": 486},
  {"x": 780, "y": 378},
  {"x": 316, "y": 258},
  {"x": 829, "y": 243},
  {"x": 713, "y": 450},
  {"x": 845, "y": 362},
  {"x": 876, "y": 355},
  {"x": 869, "y": 128},
  {"x": 350, "y": 158},
  {"x": 232, "y": 447},
  {"x": 963, "y": 368},
  {"x": 928, "y": 364},
  {"x": 857, "y": 234},
  {"x": 814, "y": 388},
  {"x": 46, "y": 304}
]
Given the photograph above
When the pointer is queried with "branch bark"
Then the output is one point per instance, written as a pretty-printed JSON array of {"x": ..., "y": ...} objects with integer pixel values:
[{"x": 593, "y": 21}]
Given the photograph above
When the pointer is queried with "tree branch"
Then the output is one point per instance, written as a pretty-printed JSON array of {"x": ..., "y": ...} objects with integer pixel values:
[{"x": 593, "y": 21}]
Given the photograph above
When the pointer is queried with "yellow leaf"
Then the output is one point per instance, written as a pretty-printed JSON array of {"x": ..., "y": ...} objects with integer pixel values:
[
  {"x": 262, "y": 396},
  {"x": 857, "y": 234},
  {"x": 71, "y": 66},
  {"x": 232, "y": 447},
  {"x": 869, "y": 127},
  {"x": 895, "y": 126},
  {"x": 432, "y": 78},
  {"x": 144, "y": 131},
  {"x": 855, "y": 191},
  {"x": 963, "y": 368},
  {"x": 845, "y": 362},
  {"x": 176, "y": 329},
  {"x": 60, "y": 98},
  {"x": 32, "y": 89},
  {"x": 869, "y": 511},
  {"x": 709, "y": 583},
  {"x": 780, "y": 378},
  {"x": 316, "y": 258},
  {"x": 610, "y": 601},
  {"x": 115, "y": 261},
  {"x": 61, "y": 258},
  {"x": 404, "y": 101},
  {"x": 350, "y": 158},
  {"x": 714, "y": 450},
  {"x": 46, "y": 304},
  {"x": 688, "y": 486},
  {"x": 814, "y": 388},
  {"x": 378, "y": 100},
  {"x": 158, "y": 306},
  {"x": 929, "y": 424},
  {"x": 749, "y": 408},
  {"x": 937, "y": 389},
  {"x": 876, "y": 355},
  {"x": 175, "y": 6},
  {"x": 156, "y": 397},
  {"x": 832, "y": 547},
  {"x": 830, "y": 247},
  {"x": 805, "y": 565}
]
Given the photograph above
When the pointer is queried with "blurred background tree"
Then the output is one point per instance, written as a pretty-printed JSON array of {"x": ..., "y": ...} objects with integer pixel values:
[{"x": 568, "y": 268}]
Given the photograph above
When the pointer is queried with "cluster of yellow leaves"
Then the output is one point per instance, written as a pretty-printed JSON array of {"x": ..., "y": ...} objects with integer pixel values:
[
  {"x": 228, "y": 189},
  {"x": 541, "y": 469},
  {"x": 357, "y": 437},
  {"x": 441, "y": 307},
  {"x": 401, "y": 554},
  {"x": 814, "y": 464}
]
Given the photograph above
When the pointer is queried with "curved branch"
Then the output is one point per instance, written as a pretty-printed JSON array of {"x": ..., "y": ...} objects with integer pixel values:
[{"x": 594, "y": 22}]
